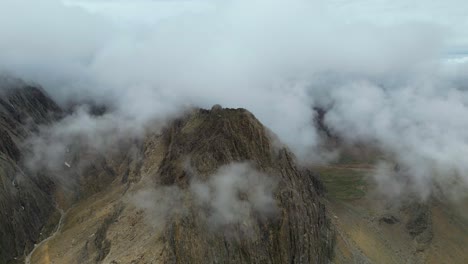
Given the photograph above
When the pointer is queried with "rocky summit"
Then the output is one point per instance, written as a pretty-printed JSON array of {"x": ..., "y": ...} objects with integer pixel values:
[{"x": 211, "y": 186}]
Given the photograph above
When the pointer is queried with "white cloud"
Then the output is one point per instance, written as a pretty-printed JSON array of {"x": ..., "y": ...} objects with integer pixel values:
[{"x": 377, "y": 63}]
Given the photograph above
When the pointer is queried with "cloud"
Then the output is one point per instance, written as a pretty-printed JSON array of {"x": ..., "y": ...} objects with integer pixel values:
[
  {"x": 378, "y": 68},
  {"x": 160, "y": 204},
  {"x": 420, "y": 123},
  {"x": 233, "y": 196},
  {"x": 66, "y": 148}
]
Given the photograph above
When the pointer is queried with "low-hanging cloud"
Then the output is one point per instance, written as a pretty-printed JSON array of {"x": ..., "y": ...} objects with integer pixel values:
[
  {"x": 234, "y": 195},
  {"x": 382, "y": 81},
  {"x": 65, "y": 149},
  {"x": 421, "y": 125}
]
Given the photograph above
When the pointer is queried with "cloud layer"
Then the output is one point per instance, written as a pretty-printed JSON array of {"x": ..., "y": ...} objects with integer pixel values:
[{"x": 383, "y": 79}]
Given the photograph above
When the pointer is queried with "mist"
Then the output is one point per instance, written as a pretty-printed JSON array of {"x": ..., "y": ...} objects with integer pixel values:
[
  {"x": 384, "y": 75},
  {"x": 232, "y": 197},
  {"x": 234, "y": 194}
]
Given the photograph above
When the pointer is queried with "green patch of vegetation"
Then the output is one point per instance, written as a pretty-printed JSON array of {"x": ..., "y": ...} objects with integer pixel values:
[
  {"x": 349, "y": 158},
  {"x": 342, "y": 183}
]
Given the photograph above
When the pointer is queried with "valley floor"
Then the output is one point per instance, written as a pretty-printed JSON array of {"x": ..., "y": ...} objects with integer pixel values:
[{"x": 372, "y": 229}]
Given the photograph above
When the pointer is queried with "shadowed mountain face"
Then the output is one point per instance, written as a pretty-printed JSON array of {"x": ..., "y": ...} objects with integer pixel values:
[{"x": 25, "y": 199}]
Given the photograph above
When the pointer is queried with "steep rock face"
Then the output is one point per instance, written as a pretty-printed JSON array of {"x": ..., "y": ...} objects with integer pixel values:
[
  {"x": 151, "y": 212},
  {"x": 25, "y": 204},
  {"x": 23, "y": 108},
  {"x": 207, "y": 140}
]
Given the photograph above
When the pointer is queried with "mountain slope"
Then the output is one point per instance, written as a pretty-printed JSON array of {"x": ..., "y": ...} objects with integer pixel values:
[
  {"x": 371, "y": 228},
  {"x": 156, "y": 213},
  {"x": 25, "y": 199}
]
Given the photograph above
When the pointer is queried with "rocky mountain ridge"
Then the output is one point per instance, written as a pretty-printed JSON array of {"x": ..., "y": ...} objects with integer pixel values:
[{"x": 113, "y": 199}]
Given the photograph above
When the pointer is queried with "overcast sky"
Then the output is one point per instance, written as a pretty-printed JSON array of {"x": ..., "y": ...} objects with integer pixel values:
[
  {"x": 379, "y": 66},
  {"x": 450, "y": 14}
]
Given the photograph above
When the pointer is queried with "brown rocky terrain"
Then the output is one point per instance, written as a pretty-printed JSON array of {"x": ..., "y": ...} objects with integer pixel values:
[
  {"x": 141, "y": 204},
  {"x": 371, "y": 228},
  {"x": 212, "y": 186}
]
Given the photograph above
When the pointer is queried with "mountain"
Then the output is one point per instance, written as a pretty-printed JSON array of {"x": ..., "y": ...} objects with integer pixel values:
[
  {"x": 157, "y": 210},
  {"x": 211, "y": 186}
]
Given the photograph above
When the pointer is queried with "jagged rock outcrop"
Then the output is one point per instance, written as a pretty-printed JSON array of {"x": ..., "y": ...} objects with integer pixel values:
[
  {"x": 206, "y": 140},
  {"x": 153, "y": 213}
]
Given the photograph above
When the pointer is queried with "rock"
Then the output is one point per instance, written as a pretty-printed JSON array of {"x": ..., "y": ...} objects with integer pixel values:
[
  {"x": 216, "y": 108},
  {"x": 194, "y": 147},
  {"x": 419, "y": 219},
  {"x": 204, "y": 143},
  {"x": 389, "y": 219},
  {"x": 419, "y": 224}
]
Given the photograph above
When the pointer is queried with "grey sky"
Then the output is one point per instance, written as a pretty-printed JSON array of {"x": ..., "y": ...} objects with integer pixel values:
[
  {"x": 450, "y": 14},
  {"x": 378, "y": 63}
]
